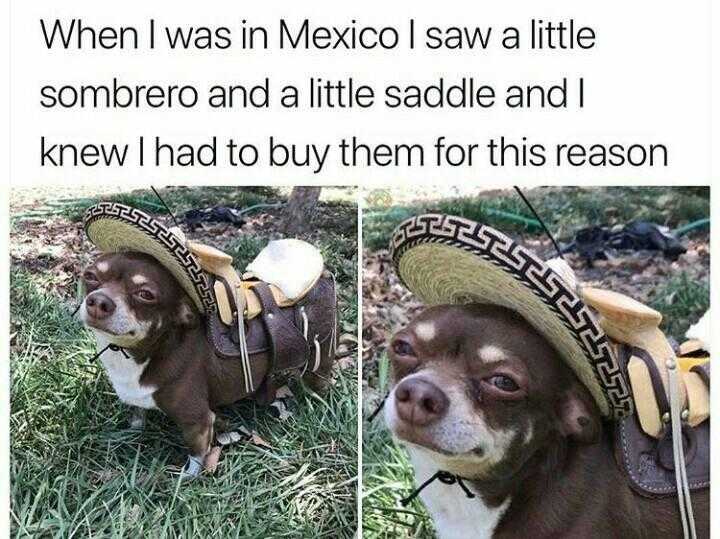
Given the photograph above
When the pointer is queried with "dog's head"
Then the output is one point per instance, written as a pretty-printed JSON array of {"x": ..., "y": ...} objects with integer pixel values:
[
  {"x": 130, "y": 296},
  {"x": 482, "y": 391}
]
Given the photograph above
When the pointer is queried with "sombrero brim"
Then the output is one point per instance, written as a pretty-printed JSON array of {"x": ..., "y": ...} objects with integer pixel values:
[
  {"x": 448, "y": 260},
  {"x": 113, "y": 227}
]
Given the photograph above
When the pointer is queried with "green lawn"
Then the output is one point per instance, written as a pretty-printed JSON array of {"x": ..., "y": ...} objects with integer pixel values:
[
  {"x": 387, "y": 478},
  {"x": 78, "y": 471}
]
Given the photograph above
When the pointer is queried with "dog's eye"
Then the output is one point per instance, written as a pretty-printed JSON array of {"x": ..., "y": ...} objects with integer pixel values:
[
  {"x": 403, "y": 348},
  {"x": 90, "y": 276},
  {"x": 145, "y": 295},
  {"x": 504, "y": 383}
]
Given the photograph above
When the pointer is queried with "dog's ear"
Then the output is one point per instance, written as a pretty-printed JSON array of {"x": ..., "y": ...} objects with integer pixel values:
[
  {"x": 187, "y": 315},
  {"x": 578, "y": 415}
]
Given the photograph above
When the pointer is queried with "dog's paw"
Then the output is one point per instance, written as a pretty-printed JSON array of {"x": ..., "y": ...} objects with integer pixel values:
[
  {"x": 279, "y": 409},
  {"x": 137, "y": 419},
  {"x": 193, "y": 467}
]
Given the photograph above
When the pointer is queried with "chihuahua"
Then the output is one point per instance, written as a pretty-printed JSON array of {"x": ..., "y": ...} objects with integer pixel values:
[
  {"x": 479, "y": 393},
  {"x": 161, "y": 358}
]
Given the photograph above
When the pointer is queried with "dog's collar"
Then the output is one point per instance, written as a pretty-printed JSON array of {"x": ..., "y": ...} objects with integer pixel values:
[{"x": 444, "y": 477}]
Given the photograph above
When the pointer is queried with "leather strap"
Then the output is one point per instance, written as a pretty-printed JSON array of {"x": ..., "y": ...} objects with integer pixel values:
[
  {"x": 289, "y": 348},
  {"x": 230, "y": 291},
  {"x": 703, "y": 371},
  {"x": 655, "y": 378}
]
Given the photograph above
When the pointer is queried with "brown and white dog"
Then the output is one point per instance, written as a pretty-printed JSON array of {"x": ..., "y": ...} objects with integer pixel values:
[
  {"x": 133, "y": 302},
  {"x": 479, "y": 393}
]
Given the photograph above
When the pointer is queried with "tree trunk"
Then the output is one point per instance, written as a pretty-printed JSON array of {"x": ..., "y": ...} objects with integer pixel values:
[{"x": 300, "y": 210}]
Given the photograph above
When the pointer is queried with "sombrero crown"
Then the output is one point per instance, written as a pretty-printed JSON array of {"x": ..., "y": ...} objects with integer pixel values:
[
  {"x": 445, "y": 259},
  {"x": 114, "y": 227}
]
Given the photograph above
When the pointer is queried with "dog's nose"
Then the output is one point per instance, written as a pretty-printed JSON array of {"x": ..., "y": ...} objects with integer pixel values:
[
  {"x": 99, "y": 306},
  {"x": 420, "y": 402}
]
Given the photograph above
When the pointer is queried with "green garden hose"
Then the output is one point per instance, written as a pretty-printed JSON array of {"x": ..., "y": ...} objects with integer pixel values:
[
  {"x": 700, "y": 223},
  {"x": 531, "y": 224}
]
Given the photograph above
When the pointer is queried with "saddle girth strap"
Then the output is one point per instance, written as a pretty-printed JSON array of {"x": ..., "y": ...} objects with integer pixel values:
[{"x": 289, "y": 349}]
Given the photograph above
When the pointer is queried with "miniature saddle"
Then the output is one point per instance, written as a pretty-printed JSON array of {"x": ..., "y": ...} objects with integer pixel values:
[
  {"x": 665, "y": 380},
  {"x": 284, "y": 305}
]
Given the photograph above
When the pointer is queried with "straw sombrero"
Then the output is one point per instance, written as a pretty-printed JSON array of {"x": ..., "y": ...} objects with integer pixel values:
[
  {"x": 444, "y": 259},
  {"x": 115, "y": 227}
]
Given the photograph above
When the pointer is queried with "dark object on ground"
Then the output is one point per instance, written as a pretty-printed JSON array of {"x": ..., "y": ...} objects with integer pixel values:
[
  {"x": 218, "y": 214},
  {"x": 593, "y": 242}
]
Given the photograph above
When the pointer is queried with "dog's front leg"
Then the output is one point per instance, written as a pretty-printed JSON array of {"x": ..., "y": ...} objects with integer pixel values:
[{"x": 198, "y": 435}]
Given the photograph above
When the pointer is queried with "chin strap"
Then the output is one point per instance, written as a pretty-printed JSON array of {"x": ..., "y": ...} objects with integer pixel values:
[
  {"x": 114, "y": 348},
  {"x": 378, "y": 408},
  {"x": 444, "y": 477}
]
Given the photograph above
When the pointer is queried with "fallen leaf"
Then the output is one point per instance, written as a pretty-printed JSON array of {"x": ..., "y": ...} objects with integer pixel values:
[
  {"x": 227, "y": 438},
  {"x": 257, "y": 440}
]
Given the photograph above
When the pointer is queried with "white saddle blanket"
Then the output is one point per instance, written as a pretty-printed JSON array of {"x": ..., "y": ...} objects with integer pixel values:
[{"x": 294, "y": 266}]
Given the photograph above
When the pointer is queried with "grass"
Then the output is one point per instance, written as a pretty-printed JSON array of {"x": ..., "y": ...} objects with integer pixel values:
[
  {"x": 78, "y": 471},
  {"x": 682, "y": 301},
  {"x": 387, "y": 477},
  {"x": 564, "y": 211}
]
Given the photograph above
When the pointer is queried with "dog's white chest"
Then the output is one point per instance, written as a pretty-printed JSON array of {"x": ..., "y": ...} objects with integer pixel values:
[
  {"x": 124, "y": 374},
  {"x": 455, "y": 515}
]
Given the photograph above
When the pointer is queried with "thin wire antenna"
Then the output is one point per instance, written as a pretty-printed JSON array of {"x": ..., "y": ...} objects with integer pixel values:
[
  {"x": 542, "y": 223},
  {"x": 166, "y": 206}
]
